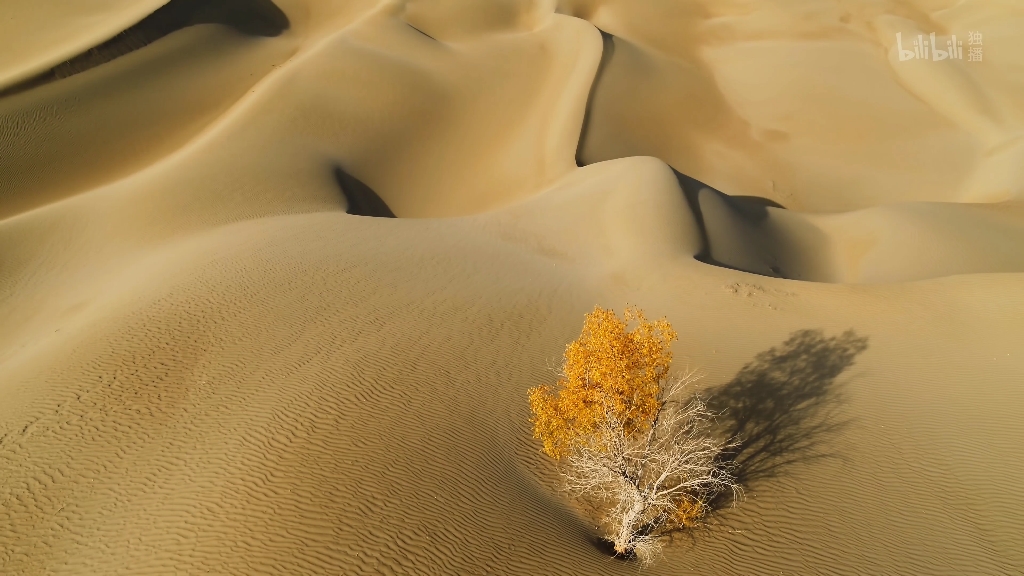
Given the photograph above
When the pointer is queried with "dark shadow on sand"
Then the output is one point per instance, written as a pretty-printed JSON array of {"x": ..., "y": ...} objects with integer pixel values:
[
  {"x": 781, "y": 406},
  {"x": 608, "y": 50},
  {"x": 421, "y": 32},
  {"x": 249, "y": 17},
  {"x": 753, "y": 209},
  {"x": 361, "y": 199}
]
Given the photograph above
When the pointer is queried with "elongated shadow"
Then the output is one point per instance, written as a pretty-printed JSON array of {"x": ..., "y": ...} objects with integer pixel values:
[
  {"x": 783, "y": 405},
  {"x": 249, "y": 17},
  {"x": 361, "y": 199},
  {"x": 421, "y": 32},
  {"x": 607, "y": 51}
]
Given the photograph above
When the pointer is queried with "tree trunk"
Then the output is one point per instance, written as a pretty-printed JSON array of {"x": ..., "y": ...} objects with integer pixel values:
[{"x": 623, "y": 540}]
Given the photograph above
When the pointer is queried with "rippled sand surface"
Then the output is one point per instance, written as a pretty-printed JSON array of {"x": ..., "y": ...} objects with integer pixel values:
[{"x": 276, "y": 276}]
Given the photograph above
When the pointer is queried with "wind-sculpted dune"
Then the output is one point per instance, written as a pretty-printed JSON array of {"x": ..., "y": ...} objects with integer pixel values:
[{"x": 275, "y": 277}]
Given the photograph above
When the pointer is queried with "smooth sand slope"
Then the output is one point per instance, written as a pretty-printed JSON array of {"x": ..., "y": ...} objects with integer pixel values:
[
  {"x": 40, "y": 35},
  {"x": 209, "y": 363}
]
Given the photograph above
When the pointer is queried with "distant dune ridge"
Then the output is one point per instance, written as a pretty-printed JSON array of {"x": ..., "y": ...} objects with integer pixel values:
[
  {"x": 251, "y": 17},
  {"x": 276, "y": 276}
]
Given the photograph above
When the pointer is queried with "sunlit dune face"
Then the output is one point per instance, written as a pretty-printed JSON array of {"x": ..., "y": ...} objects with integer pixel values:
[{"x": 454, "y": 108}]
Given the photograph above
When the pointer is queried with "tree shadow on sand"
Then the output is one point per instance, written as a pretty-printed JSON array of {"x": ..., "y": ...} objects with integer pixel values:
[
  {"x": 780, "y": 407},
  {"x": 777, "y": 411}
]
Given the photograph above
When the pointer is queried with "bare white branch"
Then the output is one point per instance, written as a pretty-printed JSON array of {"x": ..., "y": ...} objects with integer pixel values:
[{"x": 642, "y": 479}]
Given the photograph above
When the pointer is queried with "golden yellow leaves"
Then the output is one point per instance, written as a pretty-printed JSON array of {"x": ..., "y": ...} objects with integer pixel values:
[
  {"x": 609, "y": 370},
  {"x": 689, "y": 513}
]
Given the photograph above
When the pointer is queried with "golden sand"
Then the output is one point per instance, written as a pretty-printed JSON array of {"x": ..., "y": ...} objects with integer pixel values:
[{"x": 209, "y": 365}]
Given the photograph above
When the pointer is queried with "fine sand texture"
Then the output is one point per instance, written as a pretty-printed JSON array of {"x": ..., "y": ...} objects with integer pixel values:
[{"x": 276, "y": 276}]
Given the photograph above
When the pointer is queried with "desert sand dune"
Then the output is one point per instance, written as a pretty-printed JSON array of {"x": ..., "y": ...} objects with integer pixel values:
[
  {"x": 40, "y": 35},
  {"x": 873, "y": 126},
  {"x": 890, "y": 243},
  {"x": 270, "y": 304},
  {"x": 43, "y": 158},
  {"x": 249, "y": 17}
]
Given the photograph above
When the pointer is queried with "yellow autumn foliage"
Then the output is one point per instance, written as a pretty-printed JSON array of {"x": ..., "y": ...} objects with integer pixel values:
[
  {"x": 688, "y": 513},
  {"x": 610, "y": 367}
]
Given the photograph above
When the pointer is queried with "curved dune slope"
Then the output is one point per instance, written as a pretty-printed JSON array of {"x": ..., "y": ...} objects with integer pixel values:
[
  {"x": 271, "y": 305},
  {"x": 35, "y": 36},
  {"x": 809, "y": 105},
  {"x": 309, "y": 466},
  {"x": 889, "y": 243},
  {"x": 250, "y": 17},
  {"x": 76, "y": 134}
]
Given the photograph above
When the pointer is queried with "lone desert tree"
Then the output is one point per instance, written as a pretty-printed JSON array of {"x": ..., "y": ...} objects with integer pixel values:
[{"x": 628, "y": 439}]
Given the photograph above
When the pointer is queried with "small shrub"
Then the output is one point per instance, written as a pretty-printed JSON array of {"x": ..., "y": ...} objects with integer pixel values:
[{"x": 628, "y": 440}]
